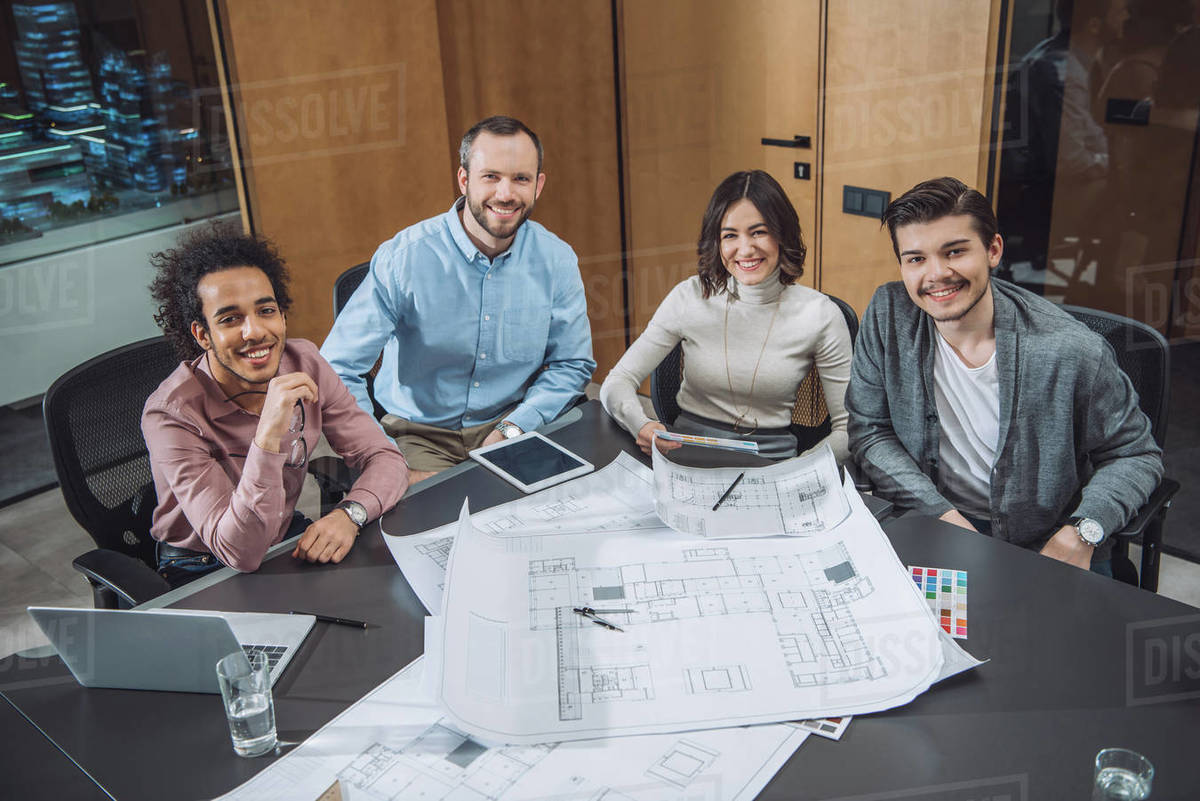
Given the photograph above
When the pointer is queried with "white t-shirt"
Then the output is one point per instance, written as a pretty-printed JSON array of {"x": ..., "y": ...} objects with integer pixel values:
[{"x": 968, "y": 404}]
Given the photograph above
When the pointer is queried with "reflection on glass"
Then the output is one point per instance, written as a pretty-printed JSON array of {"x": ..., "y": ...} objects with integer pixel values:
[
  {"x": 1097, "y": 151},
  {"x": 110, "y": 123}
]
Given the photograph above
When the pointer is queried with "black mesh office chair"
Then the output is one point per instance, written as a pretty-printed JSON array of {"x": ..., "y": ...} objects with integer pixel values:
[
  {"x": 1144, "y": 355},
  {"x": 334, "y": 477},
  {"x": 810, "y": 417},
  {"x": 93, "y": 419}
]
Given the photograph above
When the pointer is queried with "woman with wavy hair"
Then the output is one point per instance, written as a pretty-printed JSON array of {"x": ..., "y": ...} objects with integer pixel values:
[{"x": 750, "y": 333}]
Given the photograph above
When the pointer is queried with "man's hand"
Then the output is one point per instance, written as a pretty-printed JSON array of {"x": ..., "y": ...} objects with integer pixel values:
[
  {"x": 956, "y": 517},
  {"x": 492, "y": 439},
  {"x": 278, "y": 409},
  {"x": 327, "y": 540},
  {"x": 419, "y": 475},
  {"x": 1067, "y": 546},
  {"x": 645, "y": 436}
]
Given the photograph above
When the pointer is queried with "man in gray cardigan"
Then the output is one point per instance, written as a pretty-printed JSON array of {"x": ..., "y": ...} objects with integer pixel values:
[{"x": 986, "y": 405}]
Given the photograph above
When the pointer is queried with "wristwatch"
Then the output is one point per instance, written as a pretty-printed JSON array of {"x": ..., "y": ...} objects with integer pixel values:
[
  {"x": 355, "y": 511},
  {"x": 1089, "y": 530},
  {"x": 508, "y": 429}
]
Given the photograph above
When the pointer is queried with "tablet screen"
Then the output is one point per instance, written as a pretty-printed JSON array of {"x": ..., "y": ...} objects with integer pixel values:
[{"x": 531, "y": 460}]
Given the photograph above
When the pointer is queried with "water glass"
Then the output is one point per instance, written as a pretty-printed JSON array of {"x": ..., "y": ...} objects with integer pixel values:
[
  {"x": 246, "y": 690},
  {"x": 1122, "y": 775}
]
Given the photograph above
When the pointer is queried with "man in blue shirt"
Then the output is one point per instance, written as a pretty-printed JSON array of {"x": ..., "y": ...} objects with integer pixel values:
[{"x": 480, "y": 314}]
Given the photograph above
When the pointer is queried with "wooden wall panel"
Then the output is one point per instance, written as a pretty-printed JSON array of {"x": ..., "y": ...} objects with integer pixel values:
[
  {"x": 698, "y": 101},
  {"x": 550, "y": 64},
  {"x": 906, "y": 83},
  {"x": 342, "y": 131}
]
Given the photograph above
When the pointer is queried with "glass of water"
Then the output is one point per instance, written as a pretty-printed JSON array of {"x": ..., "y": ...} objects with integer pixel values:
[
  {"x": 246, "y": 690},
  {"x": 1122, "y": 775}
]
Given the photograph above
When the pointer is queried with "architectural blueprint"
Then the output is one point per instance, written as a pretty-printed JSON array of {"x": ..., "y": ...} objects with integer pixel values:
[
  {"x": 618, "y": 497},
  {"x": 798, "y": 497},
  {"x": 710, "y": 634},
  {"x": 394, "y": 745}
]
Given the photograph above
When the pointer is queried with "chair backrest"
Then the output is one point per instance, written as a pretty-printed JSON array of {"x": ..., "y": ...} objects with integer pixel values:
[
  {"x": 810, "y": 417},
  {"x": 345, "y": 284},
  {"x": 343, "y": 288},
  {"x": 93, "y": 420},
  {"x": 1143, "y": 354}
]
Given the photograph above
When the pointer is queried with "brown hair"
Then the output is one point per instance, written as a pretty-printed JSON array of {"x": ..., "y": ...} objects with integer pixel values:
[
  {"x": 938, "y": 198},
  {"x": 777, "y": 212}
]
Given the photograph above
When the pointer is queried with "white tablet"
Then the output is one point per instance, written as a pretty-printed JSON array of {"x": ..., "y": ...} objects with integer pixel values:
[{"x": 531, "y": 462}]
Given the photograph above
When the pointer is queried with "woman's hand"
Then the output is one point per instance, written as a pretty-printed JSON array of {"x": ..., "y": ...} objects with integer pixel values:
[{"x": 646, "y": 436}]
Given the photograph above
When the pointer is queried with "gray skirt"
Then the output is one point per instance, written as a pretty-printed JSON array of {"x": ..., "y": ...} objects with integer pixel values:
[{"x": 773, "y": 443}]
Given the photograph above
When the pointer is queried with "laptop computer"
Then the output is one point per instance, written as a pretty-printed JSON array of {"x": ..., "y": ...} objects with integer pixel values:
[{"x": 165, "y": 649}]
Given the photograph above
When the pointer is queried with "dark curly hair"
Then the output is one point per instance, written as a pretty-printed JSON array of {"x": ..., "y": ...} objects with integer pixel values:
[
  {"x": 200, "y": 252},
  {"x": 777, "y": 212}
]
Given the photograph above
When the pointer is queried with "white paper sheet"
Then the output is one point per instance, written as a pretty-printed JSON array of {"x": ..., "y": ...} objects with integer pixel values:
[
  {"x": 618, "y": 497},
  {"x": 798, "y": 497},
  {"x": 395, "y": 745},
  {"x": 721, "y": 634}
]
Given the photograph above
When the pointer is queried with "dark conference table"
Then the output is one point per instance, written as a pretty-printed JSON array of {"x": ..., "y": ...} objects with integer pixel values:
[{"x": 1067, "y": 676}]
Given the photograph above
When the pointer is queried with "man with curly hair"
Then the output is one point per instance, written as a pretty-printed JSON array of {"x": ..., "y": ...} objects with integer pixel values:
[
  {"x": 230, "y": 429},
  {"x": 479, "y": 312}
]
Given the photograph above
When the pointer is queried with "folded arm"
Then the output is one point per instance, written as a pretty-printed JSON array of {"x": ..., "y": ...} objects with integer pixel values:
[{"x": 568, "y": 359}]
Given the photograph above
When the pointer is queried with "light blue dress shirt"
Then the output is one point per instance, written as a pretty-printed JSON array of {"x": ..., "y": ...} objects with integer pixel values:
[{"x": 465, "y": 339}]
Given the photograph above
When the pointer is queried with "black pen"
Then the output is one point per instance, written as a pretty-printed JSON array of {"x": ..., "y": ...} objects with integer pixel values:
[
  {"x": 341, "y": 621},
  {"x": 726, "y": 495}
]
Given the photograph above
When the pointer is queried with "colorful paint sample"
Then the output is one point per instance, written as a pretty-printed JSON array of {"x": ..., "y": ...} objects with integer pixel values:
[{"x": 946, "y": 593}]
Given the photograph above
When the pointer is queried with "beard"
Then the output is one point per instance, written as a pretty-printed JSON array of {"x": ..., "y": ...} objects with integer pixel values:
[{"x": 498, "y": 230}]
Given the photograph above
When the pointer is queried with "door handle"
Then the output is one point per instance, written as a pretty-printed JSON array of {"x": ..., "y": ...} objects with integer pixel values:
[{"x": 795, "y": 141}]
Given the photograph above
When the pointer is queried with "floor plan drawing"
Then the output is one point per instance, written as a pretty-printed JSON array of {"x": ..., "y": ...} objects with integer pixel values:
[
  {"x": 717, "y": 679},
  {"x": 797, "y": 497},
  {"x": 440, "y": 764},
  {"x": 396, "y": 745},
  {"x": 682, "y": 763},
  {"x": 764, "y": 629},
  {"x": 806, "y": 596}
]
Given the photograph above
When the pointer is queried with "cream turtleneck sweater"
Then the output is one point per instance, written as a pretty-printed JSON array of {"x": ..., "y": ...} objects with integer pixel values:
[{"x": 809, "y": 329}]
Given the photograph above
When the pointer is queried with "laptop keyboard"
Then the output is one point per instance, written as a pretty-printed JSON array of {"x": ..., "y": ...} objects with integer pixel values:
[{"x": 273, "y": 653}]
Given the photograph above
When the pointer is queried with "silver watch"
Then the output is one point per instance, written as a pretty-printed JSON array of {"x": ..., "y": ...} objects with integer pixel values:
[
  {"x": 508, "y": 429},
  {"x": 1089, "y": 530},
  {"x": 355, "y": 510}
]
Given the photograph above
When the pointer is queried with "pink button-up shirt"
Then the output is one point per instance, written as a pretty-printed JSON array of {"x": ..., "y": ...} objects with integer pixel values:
[{"x": 219, "y": 492}]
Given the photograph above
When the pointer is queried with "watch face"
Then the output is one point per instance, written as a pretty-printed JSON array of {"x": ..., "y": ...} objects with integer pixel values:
[
  {"x": 1090, "y": 530},
  {"x": 357, "y": 513}
]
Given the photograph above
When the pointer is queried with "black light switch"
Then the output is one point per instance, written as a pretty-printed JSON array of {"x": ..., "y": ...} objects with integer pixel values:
[{"x": 865, "y": 202}]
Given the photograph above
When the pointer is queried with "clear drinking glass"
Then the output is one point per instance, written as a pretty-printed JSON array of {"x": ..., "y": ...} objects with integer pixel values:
[
  {"x": 246, "y": 690},
  {"x": 1122, "y": 775}
]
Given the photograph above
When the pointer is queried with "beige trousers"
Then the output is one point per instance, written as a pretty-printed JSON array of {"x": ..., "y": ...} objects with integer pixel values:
[{"x": 433, "y": 449}]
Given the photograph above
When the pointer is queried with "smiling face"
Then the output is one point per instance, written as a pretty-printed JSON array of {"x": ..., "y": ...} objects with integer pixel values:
[
  {"x": 946, "y": 268},
  {"x": 748, "y": 250},
  {"x": 243, "y": 331},
  {"x": 501, "y": 186}
]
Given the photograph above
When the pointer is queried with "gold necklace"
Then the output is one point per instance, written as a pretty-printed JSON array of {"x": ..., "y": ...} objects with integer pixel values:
[{"x": 754, "y": 377}]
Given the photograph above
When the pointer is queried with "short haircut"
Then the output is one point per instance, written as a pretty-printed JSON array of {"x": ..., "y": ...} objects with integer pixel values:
[
  {"x": 205, "y": 250},
  {"x": 938, "y": 198},
  {"x": 498, "y": 125},
  {"x": 777, "y": 212}
]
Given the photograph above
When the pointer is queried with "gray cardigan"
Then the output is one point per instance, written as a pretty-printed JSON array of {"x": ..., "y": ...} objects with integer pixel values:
[{"x": 1073, "y": 441}]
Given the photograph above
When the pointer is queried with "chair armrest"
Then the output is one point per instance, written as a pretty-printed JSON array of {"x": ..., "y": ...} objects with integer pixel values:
[
  {"x": 1158, "y": 500},
  {"x": 334, "y": 478},
  {"x": 131, "y": 580}
]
